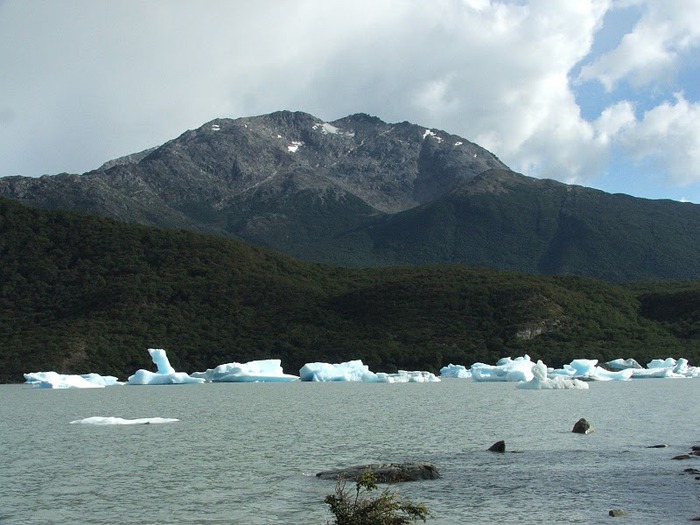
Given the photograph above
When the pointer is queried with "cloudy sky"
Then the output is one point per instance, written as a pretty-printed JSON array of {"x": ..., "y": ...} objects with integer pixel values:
[{"x": 603, "y": 93}]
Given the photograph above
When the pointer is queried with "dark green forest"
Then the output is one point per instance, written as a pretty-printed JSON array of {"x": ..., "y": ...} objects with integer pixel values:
[{"x": 84, "y": 294}]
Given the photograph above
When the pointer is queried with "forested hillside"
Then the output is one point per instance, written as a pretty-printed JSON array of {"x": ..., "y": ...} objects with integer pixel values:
[{"x": 83, "y": 294}]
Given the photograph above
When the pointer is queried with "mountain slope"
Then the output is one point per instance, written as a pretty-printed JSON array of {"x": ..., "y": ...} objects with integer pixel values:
[
  {"x": 82, "y": 294},
  {"x": 362, "y": 192},
  {"x": 504, "y": 220}
]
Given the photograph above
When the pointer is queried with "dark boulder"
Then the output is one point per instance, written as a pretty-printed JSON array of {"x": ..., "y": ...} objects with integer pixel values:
[
  {"x": 657, "y": 446},
  {"x": 681, "y": 456},
  {"x": 498, "y": 446},
  {"x": 385, "y": 472},
  {"x": 582, "y": 427}
]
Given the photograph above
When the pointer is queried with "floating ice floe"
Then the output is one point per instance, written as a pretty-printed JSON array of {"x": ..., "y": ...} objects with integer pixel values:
[
  {"x": 506, "y": 369},
  {"x": 265, "y": 370},
  {"x": 541, "y": 381},
  {"x": 349, "y": 371},
  {"x": 357, "y": 371},
  {"x": 457, "y": 371},
  {"x": 166, "y": 374},
  {"x": 588, "y": 370},
  {"x": 55, "y": 380},
  {"x": 99, "y": 420},
  {"x": 405, "y": 376}
]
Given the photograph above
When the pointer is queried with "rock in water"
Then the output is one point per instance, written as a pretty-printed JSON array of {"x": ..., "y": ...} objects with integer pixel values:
[
  {"x": 617, "y": 513},
  {"x": 498, "y": 446},
  {"x": 385, "y": 472},
  {"x": 582, "y": 427}
]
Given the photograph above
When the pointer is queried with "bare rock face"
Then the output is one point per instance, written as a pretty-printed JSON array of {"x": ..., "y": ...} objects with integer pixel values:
[
  {"x": 385, "y": 472},
  {"x": 582, "y": 427}
]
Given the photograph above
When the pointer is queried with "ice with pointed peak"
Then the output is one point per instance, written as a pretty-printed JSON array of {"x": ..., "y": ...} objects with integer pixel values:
[
  {"x": 541, "y": 380},
  {"x": 100, "y": 420},
  {"x": 166, "y": 374},
  {"x": 264, "y": 370},
  {"x": 56, "y": 380}
]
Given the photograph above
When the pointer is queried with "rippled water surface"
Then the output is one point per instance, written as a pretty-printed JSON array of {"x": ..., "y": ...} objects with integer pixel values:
[{"x": 247, "y": 453}]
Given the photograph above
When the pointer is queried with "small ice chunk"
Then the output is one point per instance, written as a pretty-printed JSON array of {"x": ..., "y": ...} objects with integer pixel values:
[{"x": 99, "y": 420}]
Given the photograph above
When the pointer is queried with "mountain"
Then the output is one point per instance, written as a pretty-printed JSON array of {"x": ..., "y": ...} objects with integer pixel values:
[
  {"x": 83, "y": 294},
  {"x": 362, "y": 192}
]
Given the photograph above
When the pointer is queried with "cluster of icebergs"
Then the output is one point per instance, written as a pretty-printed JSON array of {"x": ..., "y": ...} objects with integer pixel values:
[
  {"x": 531, "y": 375},
  {"x": 522, "y": 370}
]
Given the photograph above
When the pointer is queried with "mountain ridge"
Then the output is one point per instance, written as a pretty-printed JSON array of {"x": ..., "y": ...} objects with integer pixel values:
[{"x": 358, "y": 191}]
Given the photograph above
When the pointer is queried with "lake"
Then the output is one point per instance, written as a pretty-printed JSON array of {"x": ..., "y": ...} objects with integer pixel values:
[{"x": 248, "y": 453}]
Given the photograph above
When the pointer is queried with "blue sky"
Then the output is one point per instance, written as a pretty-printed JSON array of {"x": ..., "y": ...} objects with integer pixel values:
[{"x": 594, "y": 92}]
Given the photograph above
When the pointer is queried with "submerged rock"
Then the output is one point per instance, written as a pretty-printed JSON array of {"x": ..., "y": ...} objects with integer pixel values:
[
  {"x": 582, "y": 427},
  {"x": 657, "y": 446},
  {"x": 385, "y": 472},
  {"x": 616, "y": 513}
]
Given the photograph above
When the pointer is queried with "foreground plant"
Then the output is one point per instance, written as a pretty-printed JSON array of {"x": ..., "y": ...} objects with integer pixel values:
[{"x": 357, "y": 507}]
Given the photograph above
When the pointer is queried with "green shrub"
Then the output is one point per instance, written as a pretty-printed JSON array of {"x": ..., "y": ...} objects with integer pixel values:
[{"x": 356, "y": 507}]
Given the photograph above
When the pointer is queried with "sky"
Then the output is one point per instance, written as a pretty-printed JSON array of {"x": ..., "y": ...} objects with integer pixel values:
[{"x": 601, "y": 93}]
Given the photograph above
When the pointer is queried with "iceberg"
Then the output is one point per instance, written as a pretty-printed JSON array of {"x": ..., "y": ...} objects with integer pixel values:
[
  {"x": 166, "y": 374},
  {"x": 98, "y": 420},
  {"x": 588, "y": 370},
  {"x": 404, "y": 376},
  {"x": 506, "y": 369},
  {"x": 357, "y": 371},
  {"x": 348, "y": 371},
  {"x": 456, "y": 371},
  {"x": 264, "y": 370},
  {"x": 623, "y": 364},
  {"x": 541, "y": 381},
  {"x": 56, "y": 380}
]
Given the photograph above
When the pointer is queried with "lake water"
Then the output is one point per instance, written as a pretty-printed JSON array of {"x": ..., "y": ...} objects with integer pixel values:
[{"x": 247, "y": 453}]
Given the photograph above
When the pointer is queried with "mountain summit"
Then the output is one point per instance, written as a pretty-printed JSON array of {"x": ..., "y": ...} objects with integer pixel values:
[{"x": 361, "y": 192}]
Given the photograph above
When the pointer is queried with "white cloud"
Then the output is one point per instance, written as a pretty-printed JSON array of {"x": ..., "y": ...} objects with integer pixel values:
[
  {"x": 666, "y": 32},
  {"x": 668, "y": 137}
]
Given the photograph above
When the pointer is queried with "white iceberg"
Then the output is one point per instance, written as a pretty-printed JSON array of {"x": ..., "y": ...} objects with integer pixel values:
[
  {"x": 404, "y": 376},
  {"x": 166, "y": 374},
  {"x": 348, "y": 371},
  {"x": 456, "y": 371},
  {"x": 588, "y": 370},
  {"x": 541, "y": 381},
  {"x": 99, "y": 420},
  {"x": 623, "y": 364},
  {"x": 506, "y": 369},
  {"x": 666, "y": 368},
  {"x": 264, "y": 370},
  {"x": 357, "y": 371},
  {"x": 56, "y": 380}
]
